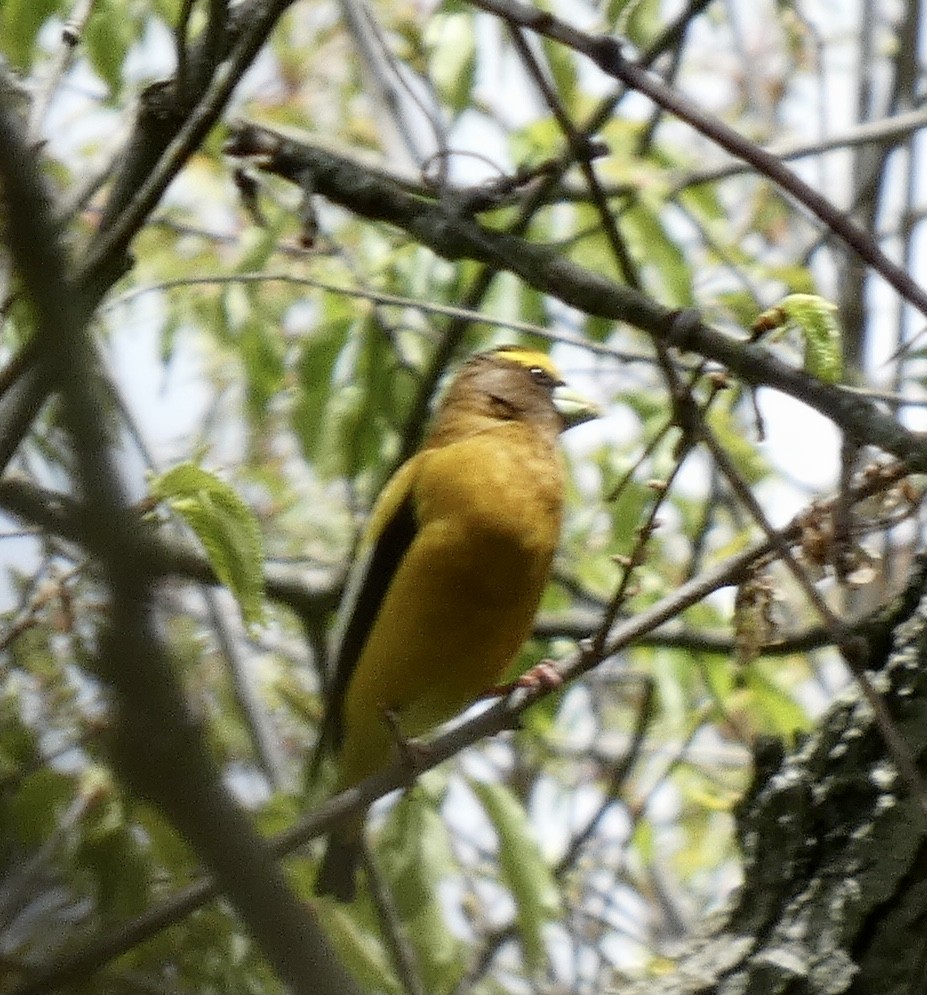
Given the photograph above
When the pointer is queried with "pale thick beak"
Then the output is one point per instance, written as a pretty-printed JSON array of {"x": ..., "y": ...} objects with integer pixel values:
[{"x": 573, "y": 408}]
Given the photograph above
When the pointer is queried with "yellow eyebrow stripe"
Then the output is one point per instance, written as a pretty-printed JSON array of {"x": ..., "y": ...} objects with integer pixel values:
[{"x": 529, "y": 357}]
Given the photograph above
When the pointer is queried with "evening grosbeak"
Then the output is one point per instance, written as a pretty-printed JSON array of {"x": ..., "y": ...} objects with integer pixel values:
[{"x": 460, "y": 548}]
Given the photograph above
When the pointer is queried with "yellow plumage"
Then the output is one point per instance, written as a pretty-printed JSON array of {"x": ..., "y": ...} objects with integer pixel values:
[{"x": 462, "y": 541}]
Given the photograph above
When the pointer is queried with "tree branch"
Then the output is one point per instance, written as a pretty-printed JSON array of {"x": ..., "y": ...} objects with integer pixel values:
[
  {"x": 605, "y": 52},
  {"x": 161, "y": 557},
  {"x": 503, "y": 714},
  {"x": 453, "y": 236},
  {"x": 159, "y": 748},
  {"x": 833, "y": 899}
]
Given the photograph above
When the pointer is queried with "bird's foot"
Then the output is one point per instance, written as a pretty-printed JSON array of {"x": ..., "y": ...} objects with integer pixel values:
[
  {"x": 542, "y": 675},
  {"x": 414, "y": 754}
]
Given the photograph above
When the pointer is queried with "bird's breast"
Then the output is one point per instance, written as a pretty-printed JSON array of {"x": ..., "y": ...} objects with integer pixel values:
[{"x": 500, "y": 490}]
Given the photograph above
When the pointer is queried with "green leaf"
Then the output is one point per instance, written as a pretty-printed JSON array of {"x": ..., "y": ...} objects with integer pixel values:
[
  {"x": 360, "y": 950},
  {"x": 452, "y": 45},
  {"x": 315, "y": 376},
  {"x": 110, "y": 851},
  {"x": 814, "y": 317},
  {"x": 259, "y": 244},
  {"x": 366, "y": 437},
  {"x": 225, "y": 525},
  {"x": 748, "y": 459},
  {"x": 637, "y": 20},
  {"x": 36, "y": 808},
  {"x": 589, "y": 245},
  {"x": 261, "y": 352},
  {"x": 19, "y": 745},
  {"x": 415, "y": 856},
  {"x": 248, "y": 325},
  {"x": 523, "y": 869},
  {"x": 109, "y": 33},
  {"x": 20, "y": 21},
  {"x": 346, "y": 405},
  {"x": 783, "y": 715},
  {"x": 658, "y": 254},
  {"x": 534, "y": 142},
  {"x": 796, "y": 278},
  {"x": 562, "y": 65}
]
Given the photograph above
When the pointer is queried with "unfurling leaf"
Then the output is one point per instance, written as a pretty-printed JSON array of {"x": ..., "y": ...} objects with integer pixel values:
[
  {"x": 814, "y": 317},
  {"x": 225, "y": 525}
]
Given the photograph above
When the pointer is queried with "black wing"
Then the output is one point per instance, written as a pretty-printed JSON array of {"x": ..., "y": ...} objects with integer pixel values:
[{"x": 394, "y": 539}]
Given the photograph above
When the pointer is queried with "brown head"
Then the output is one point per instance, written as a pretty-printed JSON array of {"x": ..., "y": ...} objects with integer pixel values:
[{"x": 509, "y": 384}]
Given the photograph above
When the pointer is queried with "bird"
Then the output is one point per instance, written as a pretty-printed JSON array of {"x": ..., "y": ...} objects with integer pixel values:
[{"x": 459, "y": 549}]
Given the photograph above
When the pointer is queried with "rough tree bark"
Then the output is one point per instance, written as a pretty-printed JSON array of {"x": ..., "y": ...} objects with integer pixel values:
[{"x": 834, "y": 898}]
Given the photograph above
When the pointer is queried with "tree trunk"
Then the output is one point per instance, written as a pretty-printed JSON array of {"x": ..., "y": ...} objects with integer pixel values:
[{"x": 834, "y": 898}]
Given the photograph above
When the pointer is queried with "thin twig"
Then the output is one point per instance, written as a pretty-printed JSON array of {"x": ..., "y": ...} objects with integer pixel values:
[
  {"x": 605, "y": 51},
  {"x": 848, "y": 646},
  {"x": 71, "y": 32}
]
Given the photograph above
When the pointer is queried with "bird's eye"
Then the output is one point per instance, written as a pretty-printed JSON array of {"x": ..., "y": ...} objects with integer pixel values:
[{"x": 543, "y": 377}]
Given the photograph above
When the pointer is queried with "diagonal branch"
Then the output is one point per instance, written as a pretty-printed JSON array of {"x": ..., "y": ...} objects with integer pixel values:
[
  {"x": 174, "y": 119},
  {"x": 502, "y": 715},
  {"x": 159, "y": 749},
  {"x": 605, "y": 52},
  {"x": 346, "y": 182}
]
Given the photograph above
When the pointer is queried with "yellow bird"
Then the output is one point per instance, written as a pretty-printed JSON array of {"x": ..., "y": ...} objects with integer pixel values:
[{"x": 461, "y": 543}]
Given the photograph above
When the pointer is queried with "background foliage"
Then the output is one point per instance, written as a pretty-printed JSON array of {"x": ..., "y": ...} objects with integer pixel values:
[{"x": 270, "y": 350}]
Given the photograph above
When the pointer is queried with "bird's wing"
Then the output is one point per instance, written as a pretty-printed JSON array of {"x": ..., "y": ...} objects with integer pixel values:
[{"x": 389, "y": 534}]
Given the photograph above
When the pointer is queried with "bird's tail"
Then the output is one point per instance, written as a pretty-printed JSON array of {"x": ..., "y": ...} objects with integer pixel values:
[{"x": 338, "y": 872}]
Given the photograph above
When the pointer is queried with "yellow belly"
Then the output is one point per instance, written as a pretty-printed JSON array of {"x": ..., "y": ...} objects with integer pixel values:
[{"x": 462, "y": 600}]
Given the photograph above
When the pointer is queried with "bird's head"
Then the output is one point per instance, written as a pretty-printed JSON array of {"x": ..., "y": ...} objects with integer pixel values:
[{"x": 545, "y": 379}]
